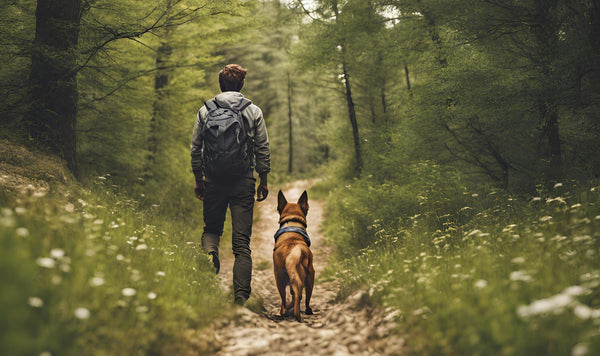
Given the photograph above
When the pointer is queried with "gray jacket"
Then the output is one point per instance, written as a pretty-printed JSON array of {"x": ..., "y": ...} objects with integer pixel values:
[{"x": 257, "y": 132}]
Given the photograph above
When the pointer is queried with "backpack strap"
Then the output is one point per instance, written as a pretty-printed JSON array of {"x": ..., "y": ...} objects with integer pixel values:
[{"x": 211, "y": 105}]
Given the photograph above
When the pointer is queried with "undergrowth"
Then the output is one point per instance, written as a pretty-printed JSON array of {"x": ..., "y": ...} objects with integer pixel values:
[
  {"x": 92, "y": 273},
  {"x": 473, "y": 270}
]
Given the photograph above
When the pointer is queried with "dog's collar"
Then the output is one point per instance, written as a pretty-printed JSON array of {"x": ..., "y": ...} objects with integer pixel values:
[
  {"x": 293, "y": 218},
  {"x": 295, "y": 229}
]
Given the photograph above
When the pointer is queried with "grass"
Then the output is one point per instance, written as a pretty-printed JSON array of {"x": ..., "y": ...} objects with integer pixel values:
[
  {"x": 518, "y": 276},
  {"x": 90, "y": 272}
]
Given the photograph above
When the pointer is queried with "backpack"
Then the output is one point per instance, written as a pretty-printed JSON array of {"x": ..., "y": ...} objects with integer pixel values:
[{"x": 226, "y": 143}]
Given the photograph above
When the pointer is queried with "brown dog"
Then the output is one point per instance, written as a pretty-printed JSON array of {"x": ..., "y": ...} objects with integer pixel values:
[{"x": 292, "y": 258}]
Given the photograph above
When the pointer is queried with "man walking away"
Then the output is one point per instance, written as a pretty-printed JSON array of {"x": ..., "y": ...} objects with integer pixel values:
[{"x": 229, "y": 142}]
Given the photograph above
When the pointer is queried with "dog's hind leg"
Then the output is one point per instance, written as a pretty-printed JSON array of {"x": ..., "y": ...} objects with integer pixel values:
[{"x": 309, "y": 283}]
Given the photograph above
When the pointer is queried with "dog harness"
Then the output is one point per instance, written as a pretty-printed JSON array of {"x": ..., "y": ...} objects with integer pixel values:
[{"x": 295, "y": 229}]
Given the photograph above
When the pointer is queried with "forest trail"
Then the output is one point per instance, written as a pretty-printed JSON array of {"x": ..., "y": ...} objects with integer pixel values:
[{"x": 345, "y": 328}]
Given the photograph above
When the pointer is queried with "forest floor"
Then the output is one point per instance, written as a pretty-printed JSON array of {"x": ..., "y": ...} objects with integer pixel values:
[{"x": 337, "y": 328}]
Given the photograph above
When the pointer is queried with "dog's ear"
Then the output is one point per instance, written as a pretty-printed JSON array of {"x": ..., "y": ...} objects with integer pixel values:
[
  {"x": 281, "y": 202},
  {"x": 303, "y": 202}
]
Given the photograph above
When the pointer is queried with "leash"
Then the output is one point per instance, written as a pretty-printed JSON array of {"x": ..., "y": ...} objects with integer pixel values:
[{"x": 295, "y": 229}]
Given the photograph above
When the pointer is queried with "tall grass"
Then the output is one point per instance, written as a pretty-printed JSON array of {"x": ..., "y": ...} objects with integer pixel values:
[
  {"x": 474, "y": 272},
  {"x": 91, "y": 273}
]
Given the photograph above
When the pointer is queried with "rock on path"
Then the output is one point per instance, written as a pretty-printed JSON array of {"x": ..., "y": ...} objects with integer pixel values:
[{"x": 345, "y": 328}]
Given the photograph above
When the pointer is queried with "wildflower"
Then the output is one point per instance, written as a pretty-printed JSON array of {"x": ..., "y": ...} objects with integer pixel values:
[
  {"x": 57, "y": 253},
  {"x": 82, "y": 313},
  {"x": 579, "y": 350},
  {"x": 22, "y": 232},
  {"x": 520, "y": 276},
  {"x": 20, "y": 210},
  {"x": 120, "y": 257},
  {"x": 546, "y": 218},
  {"x": 575, "y": 206},
  {"x": 98, "y": 222},
  {"x": 474, "y": 195},
  {"x": 518, "y": 260},
  {"x": 160, "y": 273},
  {"x": 45, "y": 353},
  {"x": 82, "y": 202},
  {"x": 554, "y": 304},
  {"x": 35, "y": 302},
  {"x": 141, "y": 309},
  {"x": 482, "y": 283},
  {"x": 559, "y": 238},
  {"x": 474, "y": 232},
  {"x": 576, "y": 290},
  {"x": 141, "y": 247},
  {"x": 45, "y": 262},
  {"x": 128, "y": 292},
  {"x": 558, "y": 185},
  {"x": 56, "y": 280},
  {"x": 582, "y": 312},
  {"x": 151, "y": 295},
  {"x": 536, "y": 199},
  {"x": 96, "y": 281}
]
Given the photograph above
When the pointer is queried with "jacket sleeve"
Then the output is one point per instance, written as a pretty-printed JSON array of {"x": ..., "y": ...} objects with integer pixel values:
[
  {"x": 262, "y": 152},
  {"x": 197, "y": 148}
]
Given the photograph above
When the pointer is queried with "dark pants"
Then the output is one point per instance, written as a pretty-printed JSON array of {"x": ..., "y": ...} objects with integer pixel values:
[{"x": 238, "y": 195}]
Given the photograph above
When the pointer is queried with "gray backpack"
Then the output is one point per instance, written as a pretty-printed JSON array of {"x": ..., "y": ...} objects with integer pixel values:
[{"x": 227, "y": 151}]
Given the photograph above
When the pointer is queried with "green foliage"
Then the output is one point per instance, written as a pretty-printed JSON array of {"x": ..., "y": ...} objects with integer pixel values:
[
  {"x": 473, "y": 271},
  {"x": 79, "y": 271}
]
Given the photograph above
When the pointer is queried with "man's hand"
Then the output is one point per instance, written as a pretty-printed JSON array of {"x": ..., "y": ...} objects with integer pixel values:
[
  {"x": 262, "y": 192},
  {"x": 199, "y": 190}
]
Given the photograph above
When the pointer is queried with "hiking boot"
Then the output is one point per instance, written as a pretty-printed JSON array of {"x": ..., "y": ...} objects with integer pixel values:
[
  {"x": 239, "y": 301},
  {"x": 215, "y": 261}
]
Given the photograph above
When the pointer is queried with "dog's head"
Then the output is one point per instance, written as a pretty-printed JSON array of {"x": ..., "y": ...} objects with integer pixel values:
[{"x": 289, "y": 211}]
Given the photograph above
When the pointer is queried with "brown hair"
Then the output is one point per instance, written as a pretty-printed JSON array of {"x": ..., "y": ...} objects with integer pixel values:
[{"x": 231, "y": 78}]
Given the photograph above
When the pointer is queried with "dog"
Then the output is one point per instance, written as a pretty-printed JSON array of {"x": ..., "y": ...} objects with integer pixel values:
[{"x": 292, "y": 257}]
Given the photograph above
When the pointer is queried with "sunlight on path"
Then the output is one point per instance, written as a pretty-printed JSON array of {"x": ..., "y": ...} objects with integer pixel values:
[{"x": 335, "y": 329}]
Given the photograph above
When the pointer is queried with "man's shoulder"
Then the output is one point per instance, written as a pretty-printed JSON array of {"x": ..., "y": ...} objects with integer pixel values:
[{"x": 254, "y": 111}]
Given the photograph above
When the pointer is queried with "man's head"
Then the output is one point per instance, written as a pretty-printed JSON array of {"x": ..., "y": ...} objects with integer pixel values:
[{"x": 231, "y": 78}]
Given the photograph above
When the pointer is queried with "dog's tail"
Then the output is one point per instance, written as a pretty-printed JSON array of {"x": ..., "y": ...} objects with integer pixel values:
[{"x": 296, "y": 265}]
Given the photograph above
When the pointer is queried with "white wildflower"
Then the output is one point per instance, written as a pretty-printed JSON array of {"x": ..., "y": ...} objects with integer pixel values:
[
  {"x": 536, "y": 199},
  {"x": 141, "y": 309},
  {"x": 582, "y": 311},
  {"x": 578, "y": 205},
  {"x": 151, "y": 295},
  {"x": 98, "y": 222},
  {"x": 141, "y": 247},
  {"x": 128, "y": 292},
  {"x": 554, "y": 304},
  {"x": 20, "y": 210},
  {"x": 120, "y": 257},
  {"x": 579, "y": 350},
  {"x": 69, "y": 208},
  {"x": 96, "y": 281},
  {"x": 520, "y": 276},
  {"x": 45, "y": 353},
  {"x": 57, "y": 253},
  {"x": 35, "y": 302},
  {"x": 558, "y": 185},
  {"x": 482, "y": 283},
  {"x": 160, "y": 273},
  {"x": 474, "y": 195},
  {"x": 518, "y": 260},
  {"x": 576, "y": 290},
  {"x": 546, "y": 218},
  {"x": 45, "y": 262},
  {"x": 22, "y": 232},
  {"x": 82, "y": 313}
]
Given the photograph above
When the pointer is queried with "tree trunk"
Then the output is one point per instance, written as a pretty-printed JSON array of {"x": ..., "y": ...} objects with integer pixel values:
[
  {"x": 291, "y": 141},
  {"x": 407, "y": 77},
  {"x": 555, "y": 172},
  {"x": 353, "y": 122},
  {"x": 161, "y": 80},
  {"x": 51, "y": 120}
]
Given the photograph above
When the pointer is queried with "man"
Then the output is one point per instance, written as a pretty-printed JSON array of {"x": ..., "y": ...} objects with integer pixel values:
[{"x": 236, "y": 191}]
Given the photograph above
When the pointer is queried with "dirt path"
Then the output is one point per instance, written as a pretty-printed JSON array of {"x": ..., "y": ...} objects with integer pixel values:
[{"x": 335, "y": 328}]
